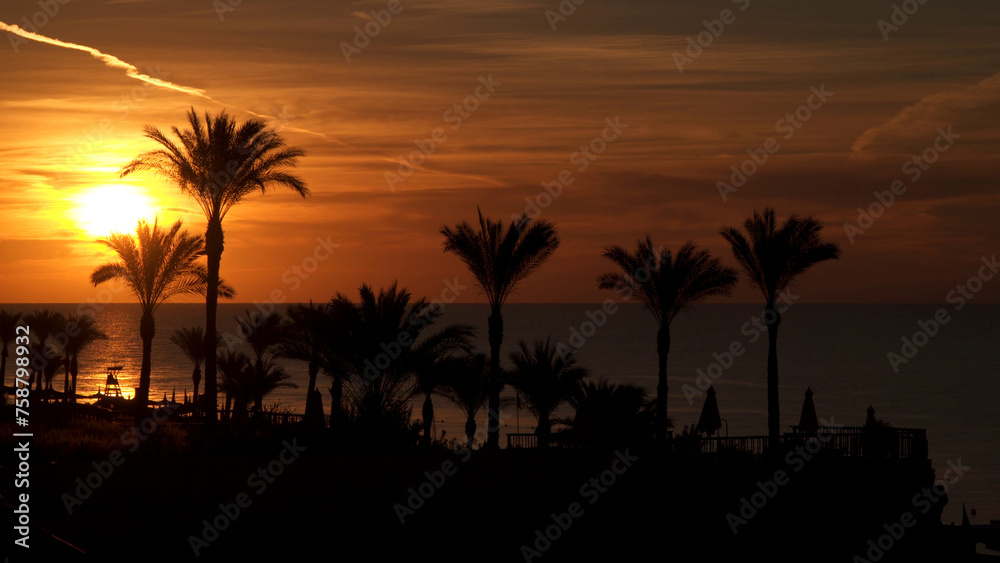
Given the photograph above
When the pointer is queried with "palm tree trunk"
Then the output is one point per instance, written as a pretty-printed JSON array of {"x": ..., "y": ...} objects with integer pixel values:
[
  {"x": 196, "y": 378},
  {"x": 147, "y": 329},
  {"x": 662, "y": 351},
  {"x": 470, "y": 431},
  {"x": 544, "y": 431},
  {"x": 313, "y": 372},
  {"x": 74, "y": 371},
  {"x": 66, "y": 381},
  {"x": 428, "y": 414},
  {"x": 496, "y": 339},
  {"x": 773, "y": 418},
  {"x": 213, "y": 251},
  {"x": 336, "y": 400}
]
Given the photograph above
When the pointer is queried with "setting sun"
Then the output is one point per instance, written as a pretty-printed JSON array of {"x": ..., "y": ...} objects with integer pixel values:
[{"x": 105, "y": 209}]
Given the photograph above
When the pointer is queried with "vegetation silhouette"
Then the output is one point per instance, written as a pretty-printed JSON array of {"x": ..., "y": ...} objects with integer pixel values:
[
  {"x": 610, "y": 415},
  {"x": 773, "y": 257},
  {"x": 306, "y": 333},
  {"x": 667, "y": 284},
  {"x": 191, "y": 341},
  {"x": 44, "y": 363},
  {"x": 81, "y": 332},
  {"x": 466, "y": 383},
  {"x": 219, "y": 163},
  {"x": 545, "y": 380},
  {"x": 499, "y": 259},
  {"x": 155, "y": 265},
  {"x": 9, "y": 320}
]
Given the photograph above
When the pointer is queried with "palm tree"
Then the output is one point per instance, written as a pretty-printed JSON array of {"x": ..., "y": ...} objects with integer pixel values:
[
  {"x": 667, "y": 284},
  {"x": 156, "y": 265},
  {"x": 304, "y": 339},
  {"x": 237, "y": 371},
  {"x": 545, "y": 380},
  {"x": 44, "y": 324},
  {"x": 466, "y": 383},
  {"x": 773, "y": 257},
  {"x": 609, "y": 415},
  {"x": 81, "y": 332},
  {"x": 428, "y": 356},
  {"x": 191, "y": 341},
  {"x": 389, "y": 351},
  {"x": 8, "y": 325},
  {"x": 499, "y": 259},
  {"x": 219, "y": 163},
  {"x": 263, "y": 333}
]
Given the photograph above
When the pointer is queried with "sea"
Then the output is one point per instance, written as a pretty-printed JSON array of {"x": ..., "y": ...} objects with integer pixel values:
[{"x": 902, "y": 360}]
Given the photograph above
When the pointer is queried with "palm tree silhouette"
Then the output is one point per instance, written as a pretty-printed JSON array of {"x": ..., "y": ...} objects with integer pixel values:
[
  {"x": 773, "y": 257},
  {"x": 237, "y": 371},
  {"x": 667, "y": 284},
  {"x": 545, "y": 380},
  {"x": 8, "y": 325},
  {"x": 191, "y": 341},
  {"x": 219, "y": 163},
  {"x": 466, "y": 383},
  {"x": 427, "y": 358},
  {"x": 44, "y": 362},
  {"x": 499, "y": 259},
  {"x": 82, "y": 332},
  {"x": 264, "y": 333},
  {"x": 305, "y": 336},
  {"x": 609, "y": 414},
  {"x": 155, "y": 265}
]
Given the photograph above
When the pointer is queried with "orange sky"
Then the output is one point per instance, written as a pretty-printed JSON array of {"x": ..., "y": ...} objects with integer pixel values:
[{"x": 71, "y": 122}]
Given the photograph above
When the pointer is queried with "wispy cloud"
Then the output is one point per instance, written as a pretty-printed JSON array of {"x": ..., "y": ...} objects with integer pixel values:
[{"x": 933, "y": 111}]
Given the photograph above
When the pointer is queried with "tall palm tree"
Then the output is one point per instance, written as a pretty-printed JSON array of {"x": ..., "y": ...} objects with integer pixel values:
[
  {"x": 191, "y": 341},
  {"x": 667, "y": 284},
  {"x": 82, "y": 331},
  {"x": 545, "y": 380},
  {"x": 772, "y": 258},
  {"x": 219, "y": 163},
  {"x": 44, "y": 324},
  {"x": 499, "y": 259},
  {"x": 8, "y": 325},
  {"x": 466, "y": 382},
  {"x": 155, "y": 265}
]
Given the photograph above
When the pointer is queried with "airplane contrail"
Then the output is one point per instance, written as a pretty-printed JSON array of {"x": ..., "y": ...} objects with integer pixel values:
[
  {"x": 112, "y": 61},
  {"x": 132, "y": 72}
]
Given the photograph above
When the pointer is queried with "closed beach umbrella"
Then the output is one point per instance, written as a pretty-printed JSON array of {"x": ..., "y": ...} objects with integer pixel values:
[
  {"x": 709, "y": 421},
  {"x": 870, "y": 420},
  {"x": 808, "y": 423}
]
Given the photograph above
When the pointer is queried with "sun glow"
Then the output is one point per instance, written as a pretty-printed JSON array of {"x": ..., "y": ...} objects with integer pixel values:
[{"x": 105, "y": 209}]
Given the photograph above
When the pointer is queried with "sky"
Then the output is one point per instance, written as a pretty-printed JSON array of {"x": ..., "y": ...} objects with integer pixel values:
[{"x": 445, "y": 106}]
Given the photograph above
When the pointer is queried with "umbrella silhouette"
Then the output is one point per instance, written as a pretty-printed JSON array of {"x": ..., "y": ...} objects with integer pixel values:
[
  {"x": 808, "y": 423},
  {"x": 709, "y": 421}
]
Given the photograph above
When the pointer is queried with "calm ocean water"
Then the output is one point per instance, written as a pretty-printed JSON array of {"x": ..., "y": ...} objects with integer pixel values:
[{"x": 950, "y": 386}]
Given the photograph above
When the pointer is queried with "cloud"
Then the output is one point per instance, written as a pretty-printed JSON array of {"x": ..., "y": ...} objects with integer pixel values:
[{"x": 933, "y": 111}]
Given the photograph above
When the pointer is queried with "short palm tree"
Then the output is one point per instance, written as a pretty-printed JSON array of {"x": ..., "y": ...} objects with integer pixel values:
[
  {"x": 219, "y": 163},
  {"x": 237, "y": 371},
  {"x": 426, "y": 360},
  {"x": 609, "y": 415},
  {"x": 191, "y": 341},
  {"x": 667, "y": 283},
  {"x": 45, "y": 356},
  {"x": 8, "y": 325},
  {"x": 264, "y": 333},
  {"x": 465, "y": 382},
  {"x": 81, "y": 332},
  {"x": 155, "y": 265},
  {"x": 545, "y": 380},
  {"x": 772, "y": 258},
  {"x": 304, "y": 338},
  {"x": 499, "y": 259}
]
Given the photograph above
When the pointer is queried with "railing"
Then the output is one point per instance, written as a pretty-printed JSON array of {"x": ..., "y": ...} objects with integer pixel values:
[
  {"x": 530, "y": 440},
  {"x": 872, "y": 443}
]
